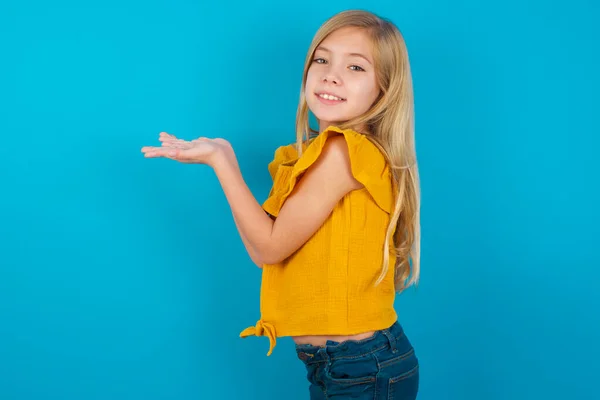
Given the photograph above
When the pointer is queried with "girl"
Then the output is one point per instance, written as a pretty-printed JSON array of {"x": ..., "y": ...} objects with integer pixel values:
[{"x": 338, "y": 235}]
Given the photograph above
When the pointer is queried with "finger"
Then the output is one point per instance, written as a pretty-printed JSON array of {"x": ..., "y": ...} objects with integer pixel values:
[
  {"x": 171, "y": 141},
  {"x": 155, "y": 149},
  {"x": 147, "y": 149},
  {"x": 182, "y": 155},
  {"x": 152, "y": 153},
  {"x": 169, "y": 153},
  {"x": 166, "y": 135},
  {"x": 176, "y": 145}
]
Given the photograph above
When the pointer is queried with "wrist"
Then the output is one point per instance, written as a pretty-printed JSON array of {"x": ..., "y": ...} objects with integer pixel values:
[{"x": 224, "y": 163}]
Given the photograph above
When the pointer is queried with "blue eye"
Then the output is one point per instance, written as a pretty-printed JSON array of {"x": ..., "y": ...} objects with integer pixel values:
[
  {"x": 319, "y": 61},
  {"x": 356, "y": 66}
]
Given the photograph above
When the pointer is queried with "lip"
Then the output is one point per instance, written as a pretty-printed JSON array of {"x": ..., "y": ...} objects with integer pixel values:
[{"x": 329, "y": 102}]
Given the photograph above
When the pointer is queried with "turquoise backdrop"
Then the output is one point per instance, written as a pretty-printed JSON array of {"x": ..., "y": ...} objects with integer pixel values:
[{"x": 123, "y": 278}]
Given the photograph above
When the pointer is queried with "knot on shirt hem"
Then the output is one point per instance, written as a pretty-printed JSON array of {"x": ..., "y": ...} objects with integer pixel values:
[{"x": 262, "y": 329}]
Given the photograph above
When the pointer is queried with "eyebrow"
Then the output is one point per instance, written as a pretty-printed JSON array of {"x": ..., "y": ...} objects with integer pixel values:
[{"x": 350, "y": 54}]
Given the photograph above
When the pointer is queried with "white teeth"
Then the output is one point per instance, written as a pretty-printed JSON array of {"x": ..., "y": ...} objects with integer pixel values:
[{"x": 329, "y": 97}]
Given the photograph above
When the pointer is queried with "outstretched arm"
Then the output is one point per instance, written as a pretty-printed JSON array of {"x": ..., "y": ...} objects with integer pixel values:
[
  {"x": 315, "y": 195},
  {"x": 249, "y": 249},
  {"x": 312, "y": 200}
]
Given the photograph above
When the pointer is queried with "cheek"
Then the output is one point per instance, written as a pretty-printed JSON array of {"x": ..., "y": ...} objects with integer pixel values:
[
  {"x": 310, "y": 80},
  {"x": 371, "y": 88},
  {"x": 365, "y": 93}
]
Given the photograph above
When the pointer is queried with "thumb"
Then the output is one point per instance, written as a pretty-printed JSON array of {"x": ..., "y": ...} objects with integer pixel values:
[
  {"x": 173, "y": 153},
  {"x": 181, "y": 154}
]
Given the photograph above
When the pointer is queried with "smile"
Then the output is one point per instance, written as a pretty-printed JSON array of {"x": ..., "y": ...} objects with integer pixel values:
[{"x": 329, "y": 98}]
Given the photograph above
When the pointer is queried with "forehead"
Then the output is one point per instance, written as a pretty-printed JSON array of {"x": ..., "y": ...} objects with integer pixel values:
[{"x": 348, "y": 40}]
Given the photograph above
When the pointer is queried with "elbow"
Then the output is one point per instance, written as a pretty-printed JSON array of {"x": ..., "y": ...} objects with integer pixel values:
[
  {"x": 257, "y": 261},
  {"x": 271, "y": 256},
  {"x": 276, "y": 258},
  {"x": 269, "y": 259},
  {"x": 272, "y": 252}
]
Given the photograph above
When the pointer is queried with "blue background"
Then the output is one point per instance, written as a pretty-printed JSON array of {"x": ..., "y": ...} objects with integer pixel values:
[{"x": 124, "y": 278}]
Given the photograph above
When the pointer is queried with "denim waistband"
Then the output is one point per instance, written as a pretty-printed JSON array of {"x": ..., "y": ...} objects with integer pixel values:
[{"x": 352, "y": 348}]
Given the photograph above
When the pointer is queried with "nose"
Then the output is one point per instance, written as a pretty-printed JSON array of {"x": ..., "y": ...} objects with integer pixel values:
[{"x": 331, "y": 77}]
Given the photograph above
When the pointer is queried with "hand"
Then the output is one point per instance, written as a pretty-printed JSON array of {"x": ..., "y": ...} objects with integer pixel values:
[{"x": 198, "y": 151}]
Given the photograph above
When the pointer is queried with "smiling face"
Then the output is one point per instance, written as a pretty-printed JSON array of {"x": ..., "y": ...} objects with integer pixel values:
[{"x": 341, "y": 82}]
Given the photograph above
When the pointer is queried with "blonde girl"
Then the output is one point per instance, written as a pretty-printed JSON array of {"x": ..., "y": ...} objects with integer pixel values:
[{"x": 338, "y": 235}]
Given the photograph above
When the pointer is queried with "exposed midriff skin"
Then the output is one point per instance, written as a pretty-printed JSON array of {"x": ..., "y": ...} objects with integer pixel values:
[{"x": 321, "y": 340}]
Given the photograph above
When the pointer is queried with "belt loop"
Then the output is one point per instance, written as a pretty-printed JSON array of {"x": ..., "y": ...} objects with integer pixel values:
[
  {"x": 325, "y": 356},
  {"x": 323, "y": 352},
  {"x": 391, "y": 339}
]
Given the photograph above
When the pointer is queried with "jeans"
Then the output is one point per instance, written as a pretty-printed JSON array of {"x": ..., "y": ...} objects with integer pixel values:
[{"x": 383, "y": 366}]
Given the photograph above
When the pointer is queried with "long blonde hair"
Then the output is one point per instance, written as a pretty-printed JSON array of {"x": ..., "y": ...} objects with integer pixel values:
[{"x": 390, "y": 123}]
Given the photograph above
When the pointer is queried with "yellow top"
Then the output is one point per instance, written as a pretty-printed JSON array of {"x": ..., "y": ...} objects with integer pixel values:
[{"x": 327, "y": 287}]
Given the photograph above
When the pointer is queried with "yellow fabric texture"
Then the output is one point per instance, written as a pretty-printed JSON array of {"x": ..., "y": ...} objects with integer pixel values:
[{"x": 327, "y": 287}]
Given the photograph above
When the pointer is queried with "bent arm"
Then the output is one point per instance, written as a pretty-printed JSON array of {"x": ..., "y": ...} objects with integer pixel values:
[
  {"x": 251, "y": 252},
  {"x": 312, "y": 200}
]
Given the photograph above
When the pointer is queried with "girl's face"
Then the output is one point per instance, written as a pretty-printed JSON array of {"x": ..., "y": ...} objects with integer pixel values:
[{"x": 341, "y": 82}]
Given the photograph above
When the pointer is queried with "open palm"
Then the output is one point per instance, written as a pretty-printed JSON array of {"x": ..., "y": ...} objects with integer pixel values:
[{"x": 197, "y": 151}]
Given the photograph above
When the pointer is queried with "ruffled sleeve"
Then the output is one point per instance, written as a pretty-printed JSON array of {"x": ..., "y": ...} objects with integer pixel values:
[
  {"x": 283, "y": 155},
  {"x": 368, "y": 166}
]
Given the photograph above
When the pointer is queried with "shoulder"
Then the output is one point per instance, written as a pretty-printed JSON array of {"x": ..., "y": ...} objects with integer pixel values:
[
  {"x": 332, "y": 163},
  {"x": 335, "y": 149},
  {"x": 329, "y": 165},
  {"x": 350, "y": 147},
  {"x": 343, "y": 157},
  {"x": 354, "y": 155},
  {"x": 330, "y": 149},
  {"x": 349, "y": 140}
]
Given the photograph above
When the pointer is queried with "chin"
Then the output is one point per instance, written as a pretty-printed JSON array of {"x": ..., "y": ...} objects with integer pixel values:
[
  {"x": 332, "y": 119},
  {"x": 327, "y": 116}
]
